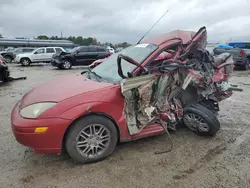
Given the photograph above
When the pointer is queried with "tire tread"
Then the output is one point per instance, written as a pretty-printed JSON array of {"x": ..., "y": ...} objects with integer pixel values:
[{"x": 207, "y": 115}]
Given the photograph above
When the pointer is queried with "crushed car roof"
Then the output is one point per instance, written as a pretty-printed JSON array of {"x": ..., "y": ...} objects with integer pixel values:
[{"x": 185, "y": 36}]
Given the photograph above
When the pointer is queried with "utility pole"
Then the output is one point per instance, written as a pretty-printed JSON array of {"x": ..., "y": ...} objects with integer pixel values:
[{"x": 61, "y": 35}]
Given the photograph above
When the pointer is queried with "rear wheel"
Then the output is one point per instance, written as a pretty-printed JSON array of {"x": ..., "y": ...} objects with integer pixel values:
[
  {"x": 8, "y": 59},
  {"x": 4, "y": 76},
  {"x": 91, "y": 139},
  {"x": 25, "y": 61},
  {"x": 201, "y": 120}
]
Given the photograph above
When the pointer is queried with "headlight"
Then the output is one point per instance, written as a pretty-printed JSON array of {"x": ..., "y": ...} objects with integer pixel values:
[{"x": 34, "y": 110}]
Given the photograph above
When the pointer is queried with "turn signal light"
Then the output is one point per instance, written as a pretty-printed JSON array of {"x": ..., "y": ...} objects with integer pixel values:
[{"x": 41, "y": 129}]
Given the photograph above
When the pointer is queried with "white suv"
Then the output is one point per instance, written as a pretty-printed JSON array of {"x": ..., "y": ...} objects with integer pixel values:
[{"x": 38, "y": 55}]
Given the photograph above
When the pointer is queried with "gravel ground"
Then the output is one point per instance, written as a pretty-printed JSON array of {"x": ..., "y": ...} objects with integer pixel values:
[{"x": 221, "y": 161}]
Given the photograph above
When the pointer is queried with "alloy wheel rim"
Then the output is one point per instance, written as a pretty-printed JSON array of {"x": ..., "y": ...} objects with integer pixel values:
[
  {"x": 93, "y": 140},
  {"x": 8, "y": 60},
  {"x": 25, "y": 62},
  {"x": 195, "y": 123},
  {"x": 66, "y": 64}
]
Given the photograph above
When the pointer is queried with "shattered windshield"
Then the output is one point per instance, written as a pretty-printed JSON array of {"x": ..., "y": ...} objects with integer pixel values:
[{"x": 108, "y": 70}]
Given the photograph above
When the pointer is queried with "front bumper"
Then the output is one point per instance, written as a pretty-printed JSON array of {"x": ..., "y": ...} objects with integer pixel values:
[
  {"x": 47, "y": 142},
  {"x": 16, "y": 60},
  {"x": 56, "y": 62},
  {"x": 239, "y": 61}
]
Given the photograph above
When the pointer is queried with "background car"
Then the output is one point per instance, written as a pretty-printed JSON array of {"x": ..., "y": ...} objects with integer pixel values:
[
  {"x": 82, "y": 55},
  {"x": 38, "y": 55},
  {"x": 11, "y": 55},
  {"x": 240, "y": 52},
  {"x": 4, "y": 71}
]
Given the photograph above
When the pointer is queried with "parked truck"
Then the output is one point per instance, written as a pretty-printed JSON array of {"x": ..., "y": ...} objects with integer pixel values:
[{"x": 240, "y": 52}]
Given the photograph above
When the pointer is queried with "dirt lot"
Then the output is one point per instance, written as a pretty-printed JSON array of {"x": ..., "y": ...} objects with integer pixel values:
[{"x": 221, "y": 161}]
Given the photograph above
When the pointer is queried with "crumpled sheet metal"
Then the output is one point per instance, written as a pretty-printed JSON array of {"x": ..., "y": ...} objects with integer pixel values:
[{"x": 143, "y": 105}]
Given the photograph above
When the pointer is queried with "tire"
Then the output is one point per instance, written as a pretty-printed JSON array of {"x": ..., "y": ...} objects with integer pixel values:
[
  {"x": 8, "y": 59},
  {"x": 246, "y": 66},
  {"x": 25, "y": 62},
  {"x": 200, "y": 114},
  {"x": 90, "y": 144},
  {"x": 4, "y": 76},
  {"x": 209, "y": 104},
  {"x": 5, "y": 79},
  {"x": 66, "y": 64}
]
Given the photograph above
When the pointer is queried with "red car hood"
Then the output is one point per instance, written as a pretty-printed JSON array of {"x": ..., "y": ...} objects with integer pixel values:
[{"x": 61, "y": 88}]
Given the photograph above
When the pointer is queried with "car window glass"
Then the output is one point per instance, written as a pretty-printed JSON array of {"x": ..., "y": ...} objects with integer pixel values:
[
  {"x": 18, "y": 50},
  {"x": 101, "y": 50},
  {"x": 50, "y": 50},
  {"x": 28, "y": 50},
  {"x": 92, "y": 49},
  {"x": 139, "y": 53},
  {"x": 83, "y": 49},
  {"x": 58, "y": 49},
  {"x": 40, "y": 51}
]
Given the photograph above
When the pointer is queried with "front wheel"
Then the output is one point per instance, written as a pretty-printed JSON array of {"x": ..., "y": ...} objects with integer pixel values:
[
  {"x": 201, "y": 120},
  {"x": 91, "y": 139},
  {"x": 246, "y": 66},
  {"x": 66, "y": 64},
  {"x": 25, "y": 61}
]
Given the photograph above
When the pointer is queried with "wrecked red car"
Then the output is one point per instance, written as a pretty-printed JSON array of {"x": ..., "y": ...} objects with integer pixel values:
[{"x": 126, "y": 98}]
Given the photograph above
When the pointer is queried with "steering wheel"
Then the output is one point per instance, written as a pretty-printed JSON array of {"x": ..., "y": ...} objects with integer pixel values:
[{"x": 128, "y": 59}]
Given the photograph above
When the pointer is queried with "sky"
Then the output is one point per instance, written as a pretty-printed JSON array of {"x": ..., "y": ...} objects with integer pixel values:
[{"x": 124, "y": 20}]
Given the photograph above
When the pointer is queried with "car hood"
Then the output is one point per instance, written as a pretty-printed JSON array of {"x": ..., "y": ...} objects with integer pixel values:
[
  {"x": 61, "y": 88},
  {"x": 24, "y": 54}
]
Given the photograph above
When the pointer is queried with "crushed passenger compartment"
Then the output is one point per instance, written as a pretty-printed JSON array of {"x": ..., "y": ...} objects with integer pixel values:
[
  {"x": 147, "y": 100},
  {"x": 186, "y": 84}
]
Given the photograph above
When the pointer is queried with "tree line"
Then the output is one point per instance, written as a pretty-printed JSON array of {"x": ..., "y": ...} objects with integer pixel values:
[
  {"x": 84, "y": 41},
  {"x": 80, "y": 41}
]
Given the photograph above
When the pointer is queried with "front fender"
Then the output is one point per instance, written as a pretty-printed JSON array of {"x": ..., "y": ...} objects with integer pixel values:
[{"x": 115, "y": 112}]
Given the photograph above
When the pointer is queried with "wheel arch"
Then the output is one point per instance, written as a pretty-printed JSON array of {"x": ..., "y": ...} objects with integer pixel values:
[
  {"x": 86, "y": 115},
  {"x": 7, "y": 55},
  {"x": 25, "y": 58},
  {"x": 71, "y": 59}
]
